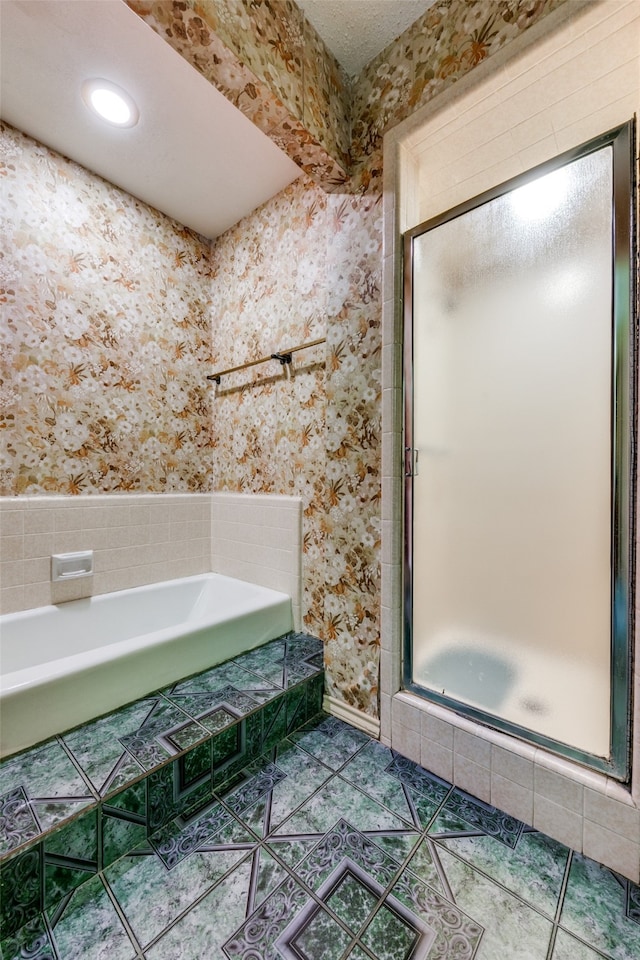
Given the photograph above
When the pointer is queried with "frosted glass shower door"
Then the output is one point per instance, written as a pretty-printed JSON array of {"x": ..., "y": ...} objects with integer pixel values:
[{"x": 513, "y": 354}]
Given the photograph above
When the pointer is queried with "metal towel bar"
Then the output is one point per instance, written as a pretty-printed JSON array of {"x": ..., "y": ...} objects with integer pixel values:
[{"x": 284, "y": 356}]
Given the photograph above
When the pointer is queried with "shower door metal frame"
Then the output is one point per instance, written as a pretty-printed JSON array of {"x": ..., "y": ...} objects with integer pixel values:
[{"x": 624, "y": 321}]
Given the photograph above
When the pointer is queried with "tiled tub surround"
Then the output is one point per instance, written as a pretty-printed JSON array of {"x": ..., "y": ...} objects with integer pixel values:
[
  {"x": 73, "y": 805},
  {"x": 537, "y": 100},
  {"x": 148, "y": 538},
  {"x": 329, "y": 846}
]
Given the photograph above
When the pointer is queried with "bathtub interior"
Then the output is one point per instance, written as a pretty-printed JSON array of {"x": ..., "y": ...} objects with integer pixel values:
[{"x": 81, "y": 659}]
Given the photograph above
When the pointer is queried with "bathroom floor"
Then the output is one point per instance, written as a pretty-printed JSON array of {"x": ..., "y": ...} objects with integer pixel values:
[{"x": 332, "y": 847}]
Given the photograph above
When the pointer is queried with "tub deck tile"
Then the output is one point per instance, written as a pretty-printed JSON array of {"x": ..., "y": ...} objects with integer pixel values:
[{"x": 123, "y": 776}]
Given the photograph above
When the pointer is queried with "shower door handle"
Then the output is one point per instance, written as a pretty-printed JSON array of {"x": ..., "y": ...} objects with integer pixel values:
[{"x": 410, "y": 462}]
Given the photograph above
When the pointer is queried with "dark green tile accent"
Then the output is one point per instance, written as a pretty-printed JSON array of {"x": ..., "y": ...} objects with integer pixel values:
[
  {"x": 390, "y": 937},
  {"x": 240, "y": 751},
  {"x": 132, "y": 800},
  {"x": 20, "y": 890},
  {"x": 30, "y": 941},
  {"x": 195, "y": 766},
  {"x": 226, "y": 745},
  {"x": 124, "y": 822},
  {"x": 321, "y": 937},
  {"x": 274, "y": 723},
  {"x": 315, "y": 691},
  {"x": 296, "y": 699},
  {"x": 168, "y": 796},
  {"x": 119, "y": 836},
  {"x": 70, "y": 857},
  {"x": 351, "y": 901}
]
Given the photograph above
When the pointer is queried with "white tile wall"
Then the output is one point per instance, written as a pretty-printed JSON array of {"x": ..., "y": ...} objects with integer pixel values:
[
  {"x": 146, "y": 538},
  {"x": 578, "y": 79},
  {"x": 136, "y": 539},
  {"x": 258, "y": 537}
]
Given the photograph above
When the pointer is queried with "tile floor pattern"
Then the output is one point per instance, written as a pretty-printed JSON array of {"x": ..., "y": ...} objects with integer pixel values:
[{"x": 332, "y": 847}]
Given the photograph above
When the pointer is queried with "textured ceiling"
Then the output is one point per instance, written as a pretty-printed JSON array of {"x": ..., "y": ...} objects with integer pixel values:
[{"x": 357, "y": 30}]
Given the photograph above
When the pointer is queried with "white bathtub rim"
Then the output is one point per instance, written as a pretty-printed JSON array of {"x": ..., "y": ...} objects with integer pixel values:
[
  {"x": 55, "y": 696},
  {"x": 20, "y": 680}
]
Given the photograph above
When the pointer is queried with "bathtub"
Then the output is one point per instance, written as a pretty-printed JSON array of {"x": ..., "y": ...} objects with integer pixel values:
[{"x": 64, "y": 665}]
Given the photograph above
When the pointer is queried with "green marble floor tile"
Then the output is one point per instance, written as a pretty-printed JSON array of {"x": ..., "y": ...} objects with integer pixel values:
[
  {"x": 272, "y": 791},
  {"x": 568, "y": 948},
  {"x": 89, "y": 927},
  {"x": 373, "y": 770},
  {"x": 358, "y": 953},
  {"x": 201, "y": 932},
  {"x": 97, "y": 748},
  {"x": 331, "y": 740},
  {"x": 445, "y": 929},
  {"x": 289, "y": 923},
  {"x": 391, "y": 937},
  {"x": 339, "y": 799},
  {"x": 352, "y": 902},
  {"x": 424, "y": 864},
  {"x": 152, "y": 897},
  {"x": 533, "y": 870},
  {"x": 321, "y": 937},
  {"x": 398, "y": 844},
  {"x": 267, "y": 874},
  {"x": 595, "y": 910},
  {"x": 267, "y": 662},
  {"x": 511, "y": 927},
  {"x": 349, "y": 872},
  {"x": 52, "y": 785},
  {"x": 47, "y": 770},
  {"x": 229, "y": 674}
]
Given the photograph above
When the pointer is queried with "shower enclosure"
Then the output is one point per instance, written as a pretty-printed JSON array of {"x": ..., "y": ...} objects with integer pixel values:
[{"x": 519, "y": 414}]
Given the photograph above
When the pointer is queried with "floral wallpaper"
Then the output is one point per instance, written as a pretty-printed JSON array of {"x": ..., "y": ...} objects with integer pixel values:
[
  {"x": 104, "y": 338},
  {"x": 305, "y": 265}
]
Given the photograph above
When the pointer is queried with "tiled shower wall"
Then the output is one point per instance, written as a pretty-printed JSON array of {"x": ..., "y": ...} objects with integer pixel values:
[
  {"x": 146, "y": 538},
  {"x": 571, "y": 85}
]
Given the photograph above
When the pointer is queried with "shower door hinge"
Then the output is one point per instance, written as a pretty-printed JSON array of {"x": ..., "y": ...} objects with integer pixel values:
[{"x": 410, "y": 462}]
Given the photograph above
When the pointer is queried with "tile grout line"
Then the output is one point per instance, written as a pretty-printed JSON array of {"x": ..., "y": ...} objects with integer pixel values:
[
  {"x": 198, "y": 900},
  {"x": 92, "y": 789},
  {"x": 559, "y": 905},
  {"x": 137, "y": 946}
]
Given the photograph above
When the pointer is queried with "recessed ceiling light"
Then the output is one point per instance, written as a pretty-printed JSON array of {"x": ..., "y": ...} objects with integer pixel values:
[{"x": 110, "y": 102}]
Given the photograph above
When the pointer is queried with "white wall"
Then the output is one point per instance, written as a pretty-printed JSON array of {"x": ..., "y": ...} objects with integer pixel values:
[{"x": 551, "y": 90}]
